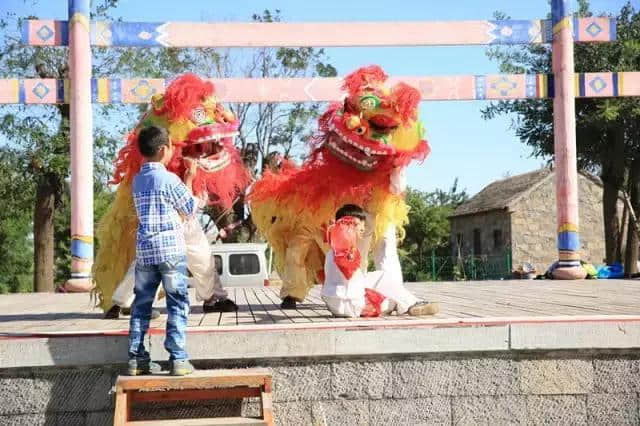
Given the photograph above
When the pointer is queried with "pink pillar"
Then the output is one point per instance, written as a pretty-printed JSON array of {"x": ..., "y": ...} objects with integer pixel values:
[
  {"x": 81, "y": 142},
  {"x": 564, "y": 134}
]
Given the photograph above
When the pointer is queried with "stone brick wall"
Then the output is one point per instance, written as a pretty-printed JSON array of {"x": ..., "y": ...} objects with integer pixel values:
[
  {"x": 486, "y": 223},
  {"x": 534, "y": 226},
  {"x": 552, "y": 388}
]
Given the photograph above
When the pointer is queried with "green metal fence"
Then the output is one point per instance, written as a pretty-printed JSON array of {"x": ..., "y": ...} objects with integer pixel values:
[{"x": 470, "y": 267}]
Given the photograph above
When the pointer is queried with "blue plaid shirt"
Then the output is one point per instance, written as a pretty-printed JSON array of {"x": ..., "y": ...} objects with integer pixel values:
[{"x": 160, "y": 198}]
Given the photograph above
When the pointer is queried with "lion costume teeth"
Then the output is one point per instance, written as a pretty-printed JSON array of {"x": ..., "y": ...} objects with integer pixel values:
[{"x": 200, "y": 129}]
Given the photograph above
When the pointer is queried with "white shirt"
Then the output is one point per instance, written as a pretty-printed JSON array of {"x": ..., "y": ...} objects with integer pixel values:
[{"x": 343, "y": 297}]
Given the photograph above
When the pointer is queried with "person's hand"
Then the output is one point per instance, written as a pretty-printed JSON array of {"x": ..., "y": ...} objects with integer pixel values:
[{"x": 192, "y": 168}]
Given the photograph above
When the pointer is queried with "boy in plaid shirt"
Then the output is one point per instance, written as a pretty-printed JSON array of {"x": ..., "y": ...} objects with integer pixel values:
[{"x": 161, "y": 201}]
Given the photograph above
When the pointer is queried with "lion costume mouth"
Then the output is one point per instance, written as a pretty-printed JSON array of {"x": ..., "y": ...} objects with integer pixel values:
[
  {"x": 353, "y": 149},
  {"x": 207, "y": 146}
]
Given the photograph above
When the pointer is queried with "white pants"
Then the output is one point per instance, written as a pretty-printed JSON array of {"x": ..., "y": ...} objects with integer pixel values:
[
  {"x": 351, "y": 307},
  {"x": 385, "y": 258},
  {"x": 200, "y": 262}
]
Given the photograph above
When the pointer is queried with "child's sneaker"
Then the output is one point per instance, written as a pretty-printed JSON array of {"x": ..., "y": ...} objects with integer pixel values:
[
  {"x": 181, "y": 367},
  {"x": 140, "y": 366},
  {"x": 424, "y": 308}
]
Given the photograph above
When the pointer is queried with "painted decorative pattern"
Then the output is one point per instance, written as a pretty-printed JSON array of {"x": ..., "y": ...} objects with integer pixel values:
[
  {"x": 432, "y": 88},
  {"x": 240, "y": 34}
]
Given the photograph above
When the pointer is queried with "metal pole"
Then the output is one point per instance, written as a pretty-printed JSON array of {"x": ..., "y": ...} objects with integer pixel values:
[
  {"x": 81, "y": 141},
  {"x": 564, "y": 137},
  {"x": 433, "y": 265}
]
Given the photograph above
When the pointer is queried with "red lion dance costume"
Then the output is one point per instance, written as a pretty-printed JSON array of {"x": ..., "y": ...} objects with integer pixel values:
[
  {"x": 358, "y": 157},
  {"x": 202, "y": 130}
]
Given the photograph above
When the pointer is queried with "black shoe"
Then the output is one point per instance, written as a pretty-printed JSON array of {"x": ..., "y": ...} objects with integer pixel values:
[
  {"x": 113, "y": 313},
  {"x": 224, "y": 305},
  {"x": 288, "y": 303}
]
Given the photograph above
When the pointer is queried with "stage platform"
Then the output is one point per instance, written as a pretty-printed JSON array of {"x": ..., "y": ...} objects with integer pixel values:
[
  {"x": 488, "y": 316},
  {"x": 501, "y": 352}
]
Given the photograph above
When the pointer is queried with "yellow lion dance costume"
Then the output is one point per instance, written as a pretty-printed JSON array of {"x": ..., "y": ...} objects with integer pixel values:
[
  {"x": 363, "y": 145},
  {"x": 201, "y": 129}
]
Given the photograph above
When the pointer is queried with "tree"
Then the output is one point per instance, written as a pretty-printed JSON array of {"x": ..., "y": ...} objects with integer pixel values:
[
  {"x": 16, "y": 246},
  {"x": 428, "y": 229},
  {"x": 266, "y": 129},
  {"x": 37, "y": 137},
  {"x": 606, "y": 139}
]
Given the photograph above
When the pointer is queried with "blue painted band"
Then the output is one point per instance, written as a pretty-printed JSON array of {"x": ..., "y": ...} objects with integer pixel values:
[
  {"x": 60, "y": 91},
  {"x": 64, "y": 32},
  {"x": 25, "y": 32},
  {"x": 79, "y": 6},
  {"x": 94, "y": 90},
  {"x": 481, "y": 86},
  {"x": 559, "y": 10},
  {"x": 135, "y": 33},
  {"x": 81, "y": 249},
  {"x": 21, "y": 95},
  {"x": 114, "y": 90},
  {"x": 568, "y": 241},
  {"x": 613, "y": 29},
  {"x": 581, "y": 84}
]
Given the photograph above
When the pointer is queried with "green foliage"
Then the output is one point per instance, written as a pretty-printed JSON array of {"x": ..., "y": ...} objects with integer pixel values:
[
  {"x": 36, "y": 138},
  {"x": 15, "y": 225},
  {"x": 428, "y": 229}
]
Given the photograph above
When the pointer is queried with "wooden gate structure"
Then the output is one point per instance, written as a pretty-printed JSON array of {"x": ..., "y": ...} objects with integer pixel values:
[{"x": 79, "y": 33}]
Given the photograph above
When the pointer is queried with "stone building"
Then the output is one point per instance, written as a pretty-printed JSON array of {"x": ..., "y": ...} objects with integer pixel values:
[{"x": 517, "y": 216}]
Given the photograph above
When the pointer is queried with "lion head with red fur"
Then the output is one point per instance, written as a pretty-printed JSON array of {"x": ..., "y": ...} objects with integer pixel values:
[
  {"x": 200, "y": 129},
  {"x": 376, "y": 126}
]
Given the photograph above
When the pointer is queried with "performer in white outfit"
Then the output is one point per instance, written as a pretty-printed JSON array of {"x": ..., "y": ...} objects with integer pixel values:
[{"x": 347, "y": 285}]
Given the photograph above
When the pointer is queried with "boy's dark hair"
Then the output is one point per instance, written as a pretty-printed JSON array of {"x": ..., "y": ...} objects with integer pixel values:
[
  {"x": 151, "y": 139},
  {"x": 351, "y": 210}
]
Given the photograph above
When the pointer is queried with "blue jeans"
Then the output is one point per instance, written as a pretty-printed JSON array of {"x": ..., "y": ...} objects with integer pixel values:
[{"x": 173, "y": 275}]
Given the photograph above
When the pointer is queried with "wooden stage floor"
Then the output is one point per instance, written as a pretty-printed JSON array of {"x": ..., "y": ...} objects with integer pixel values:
[{"x": 499, "y": 301}]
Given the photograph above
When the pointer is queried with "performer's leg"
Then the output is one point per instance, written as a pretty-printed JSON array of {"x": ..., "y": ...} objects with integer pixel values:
[
  {"x": 386, "y": 259},
  {"x": 295, "y": 278},
  {"x": 364, "y": 243},
  {"x": 201, "y": 264},
  {"x": 123, "y": 296}
]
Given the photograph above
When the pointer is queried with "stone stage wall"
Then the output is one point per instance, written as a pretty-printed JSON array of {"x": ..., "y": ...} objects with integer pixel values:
[{"x": 560, "y": 387}]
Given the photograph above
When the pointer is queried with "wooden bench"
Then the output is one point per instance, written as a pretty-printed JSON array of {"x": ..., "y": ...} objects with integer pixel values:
[{"x": 201, "y": 385}]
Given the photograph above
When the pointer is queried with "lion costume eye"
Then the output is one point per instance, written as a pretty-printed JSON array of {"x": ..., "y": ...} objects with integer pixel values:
[
  {"x": 198, "y": 115},
  {"x": 369, "y": 102}
]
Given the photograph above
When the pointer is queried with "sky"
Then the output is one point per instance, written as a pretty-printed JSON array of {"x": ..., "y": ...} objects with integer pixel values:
[{"x": 463, "y": 144}]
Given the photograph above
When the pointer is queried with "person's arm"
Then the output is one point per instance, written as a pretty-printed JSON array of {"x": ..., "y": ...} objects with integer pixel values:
[
  {"x": 190, "y": 174},
  {"x": 398, "y": 180},
  {"x": 182, "y": 193}
]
